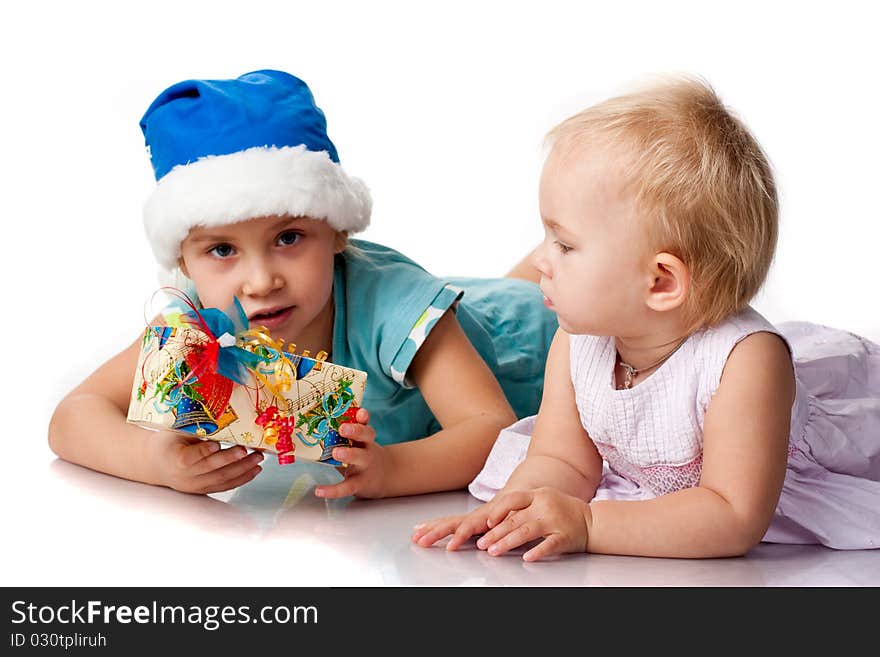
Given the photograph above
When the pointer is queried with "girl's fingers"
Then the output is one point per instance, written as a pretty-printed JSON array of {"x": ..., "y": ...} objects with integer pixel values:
[
  {"x": 197, "y": 451},
  {"x": 219, "y": 459},
  {"x": 230, "y": 471},
  {"x": 359, "y": 433},
  {"x": 352, "y": 456},
  {"x": 363, "y": 416},
  {"x": 236, "y": 482},
  {"x": 342, "y": 489}
]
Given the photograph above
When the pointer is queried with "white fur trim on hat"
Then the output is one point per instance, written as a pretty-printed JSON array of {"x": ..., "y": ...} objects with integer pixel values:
[{"x": 256, "y": 182}]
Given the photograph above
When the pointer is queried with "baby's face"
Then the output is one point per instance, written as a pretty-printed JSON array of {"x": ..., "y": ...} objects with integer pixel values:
[
  {"x": 594, "y": 255},
  {"x": 280, "y": 268}
]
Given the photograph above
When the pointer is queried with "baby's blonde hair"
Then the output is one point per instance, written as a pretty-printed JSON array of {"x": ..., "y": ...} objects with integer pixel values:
[{"x": 699, "y": 177}]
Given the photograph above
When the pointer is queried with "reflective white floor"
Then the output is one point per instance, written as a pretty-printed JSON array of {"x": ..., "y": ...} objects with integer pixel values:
[{"x": 93, "y": 529}]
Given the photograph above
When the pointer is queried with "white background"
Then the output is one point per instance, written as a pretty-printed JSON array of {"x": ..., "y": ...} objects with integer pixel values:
[{"x": 440, "y": 108}]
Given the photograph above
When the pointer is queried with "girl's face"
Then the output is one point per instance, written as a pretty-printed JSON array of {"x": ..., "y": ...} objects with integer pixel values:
[
  {"x": 279, "y": 267},
  {"x": 592, "y": 261}
]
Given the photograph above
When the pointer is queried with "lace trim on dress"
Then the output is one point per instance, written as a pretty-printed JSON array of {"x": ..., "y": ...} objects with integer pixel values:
[{"x": 659, "y": 479}]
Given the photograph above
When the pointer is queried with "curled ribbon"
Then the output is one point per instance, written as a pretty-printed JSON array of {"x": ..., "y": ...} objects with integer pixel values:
[
  {"x": 278, "y": 429},
  {"x": 272, "y": 368}
]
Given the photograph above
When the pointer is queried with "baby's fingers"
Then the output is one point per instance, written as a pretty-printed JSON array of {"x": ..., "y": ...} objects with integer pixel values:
[
  {"x": 553, "y": 544},
  {"x": 473, "y": 523},
  {"x": 428, "y": 533},
  {"x": 510, "y": 534},
  {"x": 501, "y": 507}
]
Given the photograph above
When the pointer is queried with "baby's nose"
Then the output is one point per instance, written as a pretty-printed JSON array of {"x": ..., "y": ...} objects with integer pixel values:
[{"x": 540, "y": 262}]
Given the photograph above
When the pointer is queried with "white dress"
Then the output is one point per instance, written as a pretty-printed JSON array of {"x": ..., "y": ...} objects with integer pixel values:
[{"x": 651, "y": 436}]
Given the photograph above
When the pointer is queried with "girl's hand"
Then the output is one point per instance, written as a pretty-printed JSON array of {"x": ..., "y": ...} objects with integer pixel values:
[
  {"x": 367, "y": 463},
  {"x": 518, "y": 517},
  {"x": 191, "y": 465}
]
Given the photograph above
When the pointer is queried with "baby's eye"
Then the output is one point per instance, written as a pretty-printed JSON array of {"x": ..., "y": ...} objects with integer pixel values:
[
  {"x": 222, "y": 250},
  {"x": 562, "y": 247},
  {"x": 288, "y": 237}
]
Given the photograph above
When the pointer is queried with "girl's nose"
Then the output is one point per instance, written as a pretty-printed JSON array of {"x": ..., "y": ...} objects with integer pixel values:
[{"x": 260, "y": 281}]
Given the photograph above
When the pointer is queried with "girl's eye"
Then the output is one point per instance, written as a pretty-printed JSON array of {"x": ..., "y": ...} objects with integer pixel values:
[
  {"x": 221, "y": 251},
  {"x": 288, "y": 237},
  {"x": 562, "y": 247}
]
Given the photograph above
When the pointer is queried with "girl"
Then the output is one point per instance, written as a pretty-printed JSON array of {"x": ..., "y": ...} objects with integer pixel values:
[
  {"x": 251, "y": 202},
  {"x": 676, "y": 421}
]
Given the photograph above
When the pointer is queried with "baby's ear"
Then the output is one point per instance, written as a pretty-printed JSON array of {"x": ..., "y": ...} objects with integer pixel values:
[
  {"x": 671, "y": 283},
  {"x": 182, "y": 266}
]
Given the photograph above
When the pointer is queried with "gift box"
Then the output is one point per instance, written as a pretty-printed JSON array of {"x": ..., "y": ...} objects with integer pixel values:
[{"x": 206, "y": 373}]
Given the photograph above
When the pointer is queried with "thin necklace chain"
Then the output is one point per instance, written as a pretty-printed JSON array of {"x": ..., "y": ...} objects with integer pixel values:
[{"x": 632, "y": 372}]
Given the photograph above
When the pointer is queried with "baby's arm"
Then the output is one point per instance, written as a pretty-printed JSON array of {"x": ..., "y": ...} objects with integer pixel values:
[
  {"x": 745, "y": 448},
  {"x": 560, "y": 453},
  {"x": 561, "y": 457},
  {"x": 89, "y": 428}
]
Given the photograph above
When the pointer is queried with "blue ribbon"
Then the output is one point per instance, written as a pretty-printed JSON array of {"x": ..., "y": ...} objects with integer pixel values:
[{"x": 232, "y": 362}]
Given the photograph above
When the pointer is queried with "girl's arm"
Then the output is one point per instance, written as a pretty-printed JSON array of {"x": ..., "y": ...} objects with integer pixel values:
[
  {"x": 469, "y": 403},
  {"x": 745, "y": 449},
  {"x": 89, "y": 428},
  {"x": 466, "y": 400}
]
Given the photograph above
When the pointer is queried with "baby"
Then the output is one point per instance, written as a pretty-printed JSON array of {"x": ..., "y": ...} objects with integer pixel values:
[{"x": 676, "y": 421}]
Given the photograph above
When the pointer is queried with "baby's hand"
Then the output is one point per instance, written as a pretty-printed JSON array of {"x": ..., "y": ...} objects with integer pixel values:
[
  {"x": 367, "y": 463},
  {"x": 191, "y": 465},
  {"x": 515, "y": 518},
  {"x": 460, "y": 527}
]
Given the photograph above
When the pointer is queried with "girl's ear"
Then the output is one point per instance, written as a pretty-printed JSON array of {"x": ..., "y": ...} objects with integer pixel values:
[
  {"x": 182, "y": 266},
  {"x": 341, "y": 241},
  {"x": 670, "y": 285}
]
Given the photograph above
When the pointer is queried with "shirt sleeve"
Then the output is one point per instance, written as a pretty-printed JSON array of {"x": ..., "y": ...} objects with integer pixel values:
[
  {"x": 393, "y": 305},
  {"x": 445, "y": 298}
]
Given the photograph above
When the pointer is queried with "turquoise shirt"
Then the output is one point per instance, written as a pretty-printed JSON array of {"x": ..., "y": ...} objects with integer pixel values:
[{"x": 386, "y": 305}]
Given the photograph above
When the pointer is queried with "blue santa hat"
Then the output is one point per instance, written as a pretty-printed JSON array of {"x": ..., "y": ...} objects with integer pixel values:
[{"x": 225, "y": 151}]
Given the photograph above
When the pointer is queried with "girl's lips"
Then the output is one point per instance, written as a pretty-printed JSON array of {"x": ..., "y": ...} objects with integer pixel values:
[
  {"x": 273, "y": 320},
  {"x": 547, "y": 302}
]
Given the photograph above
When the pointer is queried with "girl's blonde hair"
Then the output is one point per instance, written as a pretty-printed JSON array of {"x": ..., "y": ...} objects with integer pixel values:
[{"x": 699, "y": 177}]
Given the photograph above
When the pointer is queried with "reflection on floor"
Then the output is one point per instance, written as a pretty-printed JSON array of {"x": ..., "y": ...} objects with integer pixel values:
[{"x": 366, "y": 542}]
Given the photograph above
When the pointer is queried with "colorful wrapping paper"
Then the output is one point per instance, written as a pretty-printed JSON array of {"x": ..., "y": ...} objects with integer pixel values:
[{"x": 206, "y": 373}]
